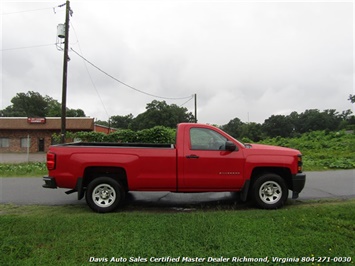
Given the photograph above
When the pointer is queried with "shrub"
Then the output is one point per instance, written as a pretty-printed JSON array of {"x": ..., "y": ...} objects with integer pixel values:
[{"x": 158, "y": 134}]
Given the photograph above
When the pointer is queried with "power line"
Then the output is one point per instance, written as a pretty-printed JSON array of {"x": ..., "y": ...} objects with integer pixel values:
[
  {"x": 25, "y": 11},
  {"x": 129, "y": 86},
  {"x": 187, "y": 101},
  {"x": 32, "y": 10},
  {"x": 26, "y": 47},
  {"x": 87, "y": 70}
]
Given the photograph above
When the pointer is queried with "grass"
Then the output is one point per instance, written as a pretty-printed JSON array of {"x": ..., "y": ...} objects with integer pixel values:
[
  {"x": 23, "y": 169},
  {"x": 74, "y": 235}
]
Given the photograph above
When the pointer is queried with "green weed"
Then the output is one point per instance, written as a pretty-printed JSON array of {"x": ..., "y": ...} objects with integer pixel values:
[
  {"x": 23, "y": 169},
  {"x": 322, "y": 150}
]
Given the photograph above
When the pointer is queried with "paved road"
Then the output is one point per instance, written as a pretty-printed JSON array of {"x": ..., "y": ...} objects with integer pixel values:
[
  {"x": 24, "y": 191},
  {"x": 22, "y": 157}
]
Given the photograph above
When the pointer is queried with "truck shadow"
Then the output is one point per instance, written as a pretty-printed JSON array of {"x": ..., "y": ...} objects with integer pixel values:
[{"x": 183, "y": 202}]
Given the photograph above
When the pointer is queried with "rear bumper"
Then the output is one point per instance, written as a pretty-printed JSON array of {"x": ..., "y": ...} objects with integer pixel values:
[
  {"x": 49, "y": 182},
  {"x": 298, "y": 182}
]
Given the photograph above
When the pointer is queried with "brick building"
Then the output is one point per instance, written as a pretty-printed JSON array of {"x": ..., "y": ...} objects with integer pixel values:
[
  {"x": 104, "y": 129},
  {"x": 22, "y": 134}
]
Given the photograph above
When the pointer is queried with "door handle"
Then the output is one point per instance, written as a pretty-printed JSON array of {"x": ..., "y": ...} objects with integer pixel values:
[{"x": 192, "y": 156}]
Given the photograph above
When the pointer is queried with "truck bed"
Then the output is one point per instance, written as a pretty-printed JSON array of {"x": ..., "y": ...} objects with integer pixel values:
[{"x": 113, "y": 144}]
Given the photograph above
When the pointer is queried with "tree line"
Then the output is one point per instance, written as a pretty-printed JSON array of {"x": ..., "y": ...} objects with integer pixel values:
[
  {"x": 291, "y": 125},
  {"x": 33, "y": 104},
  {"x": 159, "y": 113}
]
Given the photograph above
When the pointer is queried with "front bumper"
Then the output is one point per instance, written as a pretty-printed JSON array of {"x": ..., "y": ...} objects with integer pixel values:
[
  {"x": 49, "y": 182},
  {"x": 298, "y": 182}
]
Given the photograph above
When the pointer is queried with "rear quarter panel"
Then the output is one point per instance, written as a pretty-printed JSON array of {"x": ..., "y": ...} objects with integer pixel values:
[{"x": 146, "y": 168}]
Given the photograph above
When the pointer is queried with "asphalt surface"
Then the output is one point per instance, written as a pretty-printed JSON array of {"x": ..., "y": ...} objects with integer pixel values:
[
  {"x": 22, "y": 157},
  {"x": 29, "y": 191}
]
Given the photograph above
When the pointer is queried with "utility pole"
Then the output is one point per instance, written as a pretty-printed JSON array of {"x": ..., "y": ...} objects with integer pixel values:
[
  {"x": 195, "y": 107},
  {"x": 65, "y": 68}
]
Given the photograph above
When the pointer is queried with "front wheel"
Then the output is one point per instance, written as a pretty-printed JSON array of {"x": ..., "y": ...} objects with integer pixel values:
[
  {"x": 270, "y": 191},
  {"x": 104, "y": 194}
]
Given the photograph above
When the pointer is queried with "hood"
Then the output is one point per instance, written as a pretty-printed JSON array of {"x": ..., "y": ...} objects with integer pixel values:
[{"x": 268, "y": 149}]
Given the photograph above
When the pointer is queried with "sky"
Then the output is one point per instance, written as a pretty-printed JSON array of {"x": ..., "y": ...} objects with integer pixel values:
[{"x": 245, "y": 59}]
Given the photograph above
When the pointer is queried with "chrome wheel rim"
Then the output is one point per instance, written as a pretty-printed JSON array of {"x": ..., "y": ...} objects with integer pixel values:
[
  {"x": 270, "y": 192},
  {"x": 104, "y": 195}
]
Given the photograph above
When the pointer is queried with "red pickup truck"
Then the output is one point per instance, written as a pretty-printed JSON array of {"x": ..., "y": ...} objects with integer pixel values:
[{"x": 204, "y": 159}]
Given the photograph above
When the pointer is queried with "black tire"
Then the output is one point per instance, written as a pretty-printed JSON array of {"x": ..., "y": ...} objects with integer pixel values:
[
  {"x": 269, "y": 191},
  {"x": 104, "y": 194}
]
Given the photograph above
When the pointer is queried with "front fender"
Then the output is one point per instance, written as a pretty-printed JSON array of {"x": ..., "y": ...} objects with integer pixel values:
[{"x": 268, "y": 161}]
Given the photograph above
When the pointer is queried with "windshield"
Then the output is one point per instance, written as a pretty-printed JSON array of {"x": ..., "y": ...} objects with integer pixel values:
[{"x": 234, "y": 139}]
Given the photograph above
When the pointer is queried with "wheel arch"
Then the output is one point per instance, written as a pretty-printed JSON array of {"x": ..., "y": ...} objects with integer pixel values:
[
  {"x": 117, "y": 173},
  {"x": 283, "y": 172}
]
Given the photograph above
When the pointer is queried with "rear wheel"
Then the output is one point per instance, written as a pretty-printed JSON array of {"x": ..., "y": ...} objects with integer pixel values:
[
  {"x": 104, "y": 194},
  {"x": 270, "y": 191}
]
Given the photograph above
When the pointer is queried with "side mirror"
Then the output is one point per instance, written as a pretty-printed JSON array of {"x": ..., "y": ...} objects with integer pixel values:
[{"x": 230, "y": 146}]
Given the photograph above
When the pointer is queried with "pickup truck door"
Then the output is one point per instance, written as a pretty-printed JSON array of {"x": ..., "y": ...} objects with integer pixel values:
[{"x": 207, "y": 165}]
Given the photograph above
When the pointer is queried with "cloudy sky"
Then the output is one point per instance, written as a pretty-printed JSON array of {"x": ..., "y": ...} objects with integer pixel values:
[{"x": 245, "y": 59}]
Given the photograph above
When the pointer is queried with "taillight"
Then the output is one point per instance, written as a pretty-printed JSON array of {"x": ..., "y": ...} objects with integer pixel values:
[
  {"x": 299, "y": 163},
  {"x": 50, "y": 161}
]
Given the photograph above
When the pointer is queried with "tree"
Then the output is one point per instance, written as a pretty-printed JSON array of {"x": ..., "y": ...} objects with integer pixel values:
[
  {"x": 252, "y": 131},
  {"x": 75, "y": 113},
  {"x": 54, "y": 107},
  {"x": 161, "y": 114},
  {"x": 313, "y": 119},
  {"x": 352, "y": 98},
  {"x": 30, "y": 104},
  {"x": 291, "y": 125},
  {"x": 278, "y": 125},
  {"x": 103, "y": 123},
  {"x": 33, "y": 104},
  {"x": 122, "y": 122},
  {"x": 234, "y": 128}
]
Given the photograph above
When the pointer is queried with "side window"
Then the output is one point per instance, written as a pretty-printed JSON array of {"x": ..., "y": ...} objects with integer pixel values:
[
  {"x": 4, "y": 143},
  {"x": 206, "y": 139},
  {"x": 25, "y": 142}
]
